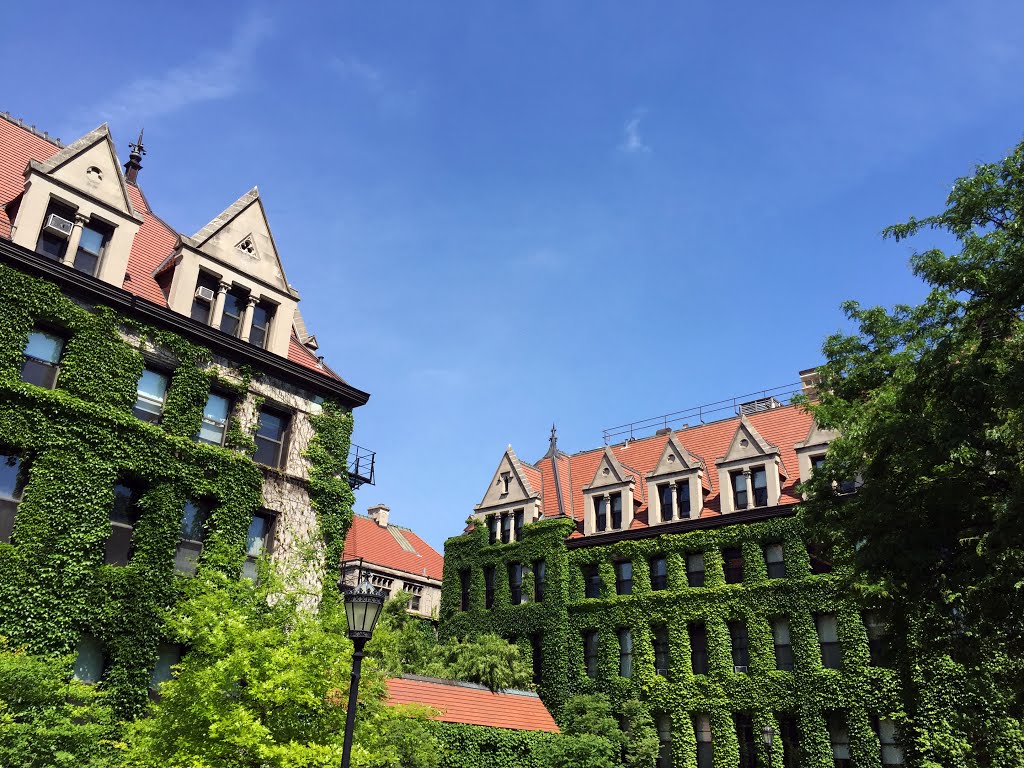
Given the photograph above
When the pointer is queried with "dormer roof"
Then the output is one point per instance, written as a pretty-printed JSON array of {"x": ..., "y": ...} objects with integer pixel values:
[
  {"x": 610, "y": 471},
  {"x": 817, "y": 437},
  {"x": 675, "y": 458},
  {"x": 520, "y": 487},
  {"x": 747, "y": 443}
]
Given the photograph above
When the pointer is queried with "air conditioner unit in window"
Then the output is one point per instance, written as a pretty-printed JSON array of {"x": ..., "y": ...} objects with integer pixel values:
[
  {"x": 661, "y": 671},
  {"x": 206, "y": 294},
  {"x": 740, "y": 668},
  {"x": 58, "y": 226}
]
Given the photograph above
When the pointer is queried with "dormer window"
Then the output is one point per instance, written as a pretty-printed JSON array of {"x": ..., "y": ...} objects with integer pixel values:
[
  {"x": 91, "y": 245},
  {"x": 600, "y": 513},
  {"x": 205, "y": 295},
  {"x": 234, "y": 308},
  {"x": 674, "y": 482},
  {"x": 739, "y": 489},
  {"x": 759, "y": 482},
  {"x": 751, "y": 473},
  {"x": 609, "y": 497},
  {"x": 262, "y": 314},
  {"x": 58, "y": 224},
  {"x": 616, "y": 503}
]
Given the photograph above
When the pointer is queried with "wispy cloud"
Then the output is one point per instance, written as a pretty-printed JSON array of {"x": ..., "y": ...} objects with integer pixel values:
[
  {"x": 208, "y": 77},
  {"x": 388, "y": 94},
  {"x": 632, "y": 142}
]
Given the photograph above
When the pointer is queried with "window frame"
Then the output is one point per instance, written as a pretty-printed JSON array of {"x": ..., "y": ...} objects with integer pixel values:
[
  {"x": 759, "y": 494},
  {"x": 838, "y": 728},
  {"x": 591, "y": 652},
  {"x": 659, "y": 581},
  {"x": 234, "y": 294},
  {"x": 105, "y": 232},
  {"x": 615, "y": 510},
  {"x": 202, "y": 510},
  {"x": 779, "y": 569},
  {"x": 515, "y": 583},
  {"x": 625, "y": 637},
  {"x": 601, "y": 504},
  {"x": 281, "y": 451},
  {"x": 271, "y": 311},
  {"x": 665, "y": 505},
  {"x": 831, "y": 650},
  {"x": 704, "y": 739},
  {"x": 205, "y": 422},
  {"x": 51, "y": 367},
  {"x": 506, "y": 528},
  {"x": 623, "y": 577},
  {"x": 112, "y": 548},
  {"x": 733, "y": 565},
  {"x": 155, "y": 417},
  {"x": 783, "y": 651},
  {"x": 249, "y": 568},
  {"x": 739, "y": 642},
  {"x": 739, "y": 494},
  {"x": 695, "y": 574},
  {"x": 743, "y": 722},
  {"x": 592, "y": 586},
  {"x": 9, "y": 502},
  {"x": 699, "y": 660}
]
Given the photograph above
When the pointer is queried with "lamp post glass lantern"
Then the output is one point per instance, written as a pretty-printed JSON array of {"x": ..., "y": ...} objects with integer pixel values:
[
  {"x": 362, "y": 609},
  {"x": 768, "y": 736}
]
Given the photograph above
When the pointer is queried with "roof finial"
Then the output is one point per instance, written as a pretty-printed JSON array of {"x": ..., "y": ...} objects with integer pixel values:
[
  {"x": 553, "y": 442},
  {"x": 134, "y": 164}
]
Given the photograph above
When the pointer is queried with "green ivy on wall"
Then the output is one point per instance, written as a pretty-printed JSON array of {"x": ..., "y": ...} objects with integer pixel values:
[
  {"x": 857, "y": 690},
  {"x": 81, "y": 439}
]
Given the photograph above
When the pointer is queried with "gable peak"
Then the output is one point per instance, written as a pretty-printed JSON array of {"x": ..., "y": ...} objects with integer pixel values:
[{"x": 747, "y": 443}]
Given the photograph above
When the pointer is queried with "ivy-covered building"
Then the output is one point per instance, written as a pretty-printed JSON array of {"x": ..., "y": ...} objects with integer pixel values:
[
  {"x": 163, "y": 409},
  {"x": 674, "y": 569}
]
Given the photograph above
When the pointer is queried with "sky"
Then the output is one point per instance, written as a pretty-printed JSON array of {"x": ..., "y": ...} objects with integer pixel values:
[{"x": 503, "y": 216}]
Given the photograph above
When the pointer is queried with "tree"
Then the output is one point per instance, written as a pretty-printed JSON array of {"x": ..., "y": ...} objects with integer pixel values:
[
  {"x": 595, "y": 738},
  {"x": 48, "y": 720},
  {"x": 929, "y": 403}
]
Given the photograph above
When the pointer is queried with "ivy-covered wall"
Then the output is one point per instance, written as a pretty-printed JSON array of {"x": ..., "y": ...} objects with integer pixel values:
[
  {"x": 858, "y": 690},
  {"x": 81, "y": 439}
]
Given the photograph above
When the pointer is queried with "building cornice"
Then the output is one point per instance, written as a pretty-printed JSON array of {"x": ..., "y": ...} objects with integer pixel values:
[
  {"x": 683, "y": 526},
  {"x": 92, "y": 290}
]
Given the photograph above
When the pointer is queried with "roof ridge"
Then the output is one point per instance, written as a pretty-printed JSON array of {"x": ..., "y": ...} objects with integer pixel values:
[
  {"x": 468, "y": 685},
  {"x": 32, "y": 129}
]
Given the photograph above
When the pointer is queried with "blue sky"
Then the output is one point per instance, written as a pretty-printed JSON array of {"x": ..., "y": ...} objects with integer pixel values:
[{"x": 503, "y": 215}]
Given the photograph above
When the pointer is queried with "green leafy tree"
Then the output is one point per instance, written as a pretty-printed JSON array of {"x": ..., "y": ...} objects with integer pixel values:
[
  {"x": 597, "y": 741},
  {"x": 929, "y": 402},
  {"x": 489, "y": 660},
  {"x": 48, "y": 720}
]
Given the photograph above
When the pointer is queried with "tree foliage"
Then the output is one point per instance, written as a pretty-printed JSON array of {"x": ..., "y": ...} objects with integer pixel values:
[{"x": 929, "y": 401}]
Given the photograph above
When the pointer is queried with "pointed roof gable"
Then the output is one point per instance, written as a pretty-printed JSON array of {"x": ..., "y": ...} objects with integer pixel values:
[
  {"x": 817, "y": 436},
  {"x": 747, "y": 443},
  {"x": 240, "y": 235},
  {"x": 610, "y": 471},
  {"x": 90, "y": 164},
  {"x": 675, "y": 458},
  {"x": 520, "y": 488}
]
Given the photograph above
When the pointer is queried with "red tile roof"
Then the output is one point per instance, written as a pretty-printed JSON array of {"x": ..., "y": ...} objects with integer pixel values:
[
  {"x": 153, "y": 243},
  {"x": 375, "y": 544},
  {"x": 783, "y": 427},
  {"x": 473, "y": 704}
]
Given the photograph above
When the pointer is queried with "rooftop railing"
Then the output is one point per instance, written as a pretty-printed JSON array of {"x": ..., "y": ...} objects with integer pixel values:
[{"x": 360, "y": 466}]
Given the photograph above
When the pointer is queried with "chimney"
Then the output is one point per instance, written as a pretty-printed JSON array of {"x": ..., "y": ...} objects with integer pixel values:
[
  {"x": 134, "y": 164},
  {"x": 809, "y": 381},
  {"x": 379, "y": 515}
]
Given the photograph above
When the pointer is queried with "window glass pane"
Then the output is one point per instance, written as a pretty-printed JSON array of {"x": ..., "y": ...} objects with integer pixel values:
[
  {"x": 51, "y": 246},
  {"x": 167, "y": 657},
  {"x": 193, "y": 522},
  {"x": 695, "y": 569},
  {"x": 665, "y": 494},
  {"x": 153, "y": 385},
  {"x": 624, "y": 577},
  {"x": 124, "y": 510},
  {"x": 827, "y": 630},
  {"x": 261, "y": 315},
  {"x": 271, "y": 425},
  {"x": 616, "y": 499},
  {"x": 10, "y": 472},
  {"x": 88, "y": 660},
  {"x": 44, "y": 346},
  {"x": 739, "y": 486},
  {"x": 759, "y": 479},
  {"x": 839, "y": 736},
  {"x": 215, "y": 417},
  {"x": 659, "y": 572},
  {"x": 780, "y": 631},
  {"x": 683, "y": 499},
  {"x": 92, "y": 241},
  {"x": 256, "y": 540}
]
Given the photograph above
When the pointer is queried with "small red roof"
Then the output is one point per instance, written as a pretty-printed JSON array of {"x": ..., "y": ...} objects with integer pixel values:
[
  {"x": 376, "y": 544},
  {"x": 472, "y": 704},
  {"x": 153, "y": 243}
]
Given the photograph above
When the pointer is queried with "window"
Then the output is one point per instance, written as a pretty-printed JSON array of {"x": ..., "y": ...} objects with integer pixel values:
[
  {"x": 492, "y": 529},
  {"x": 590, "y": 650},
  {"x": 90, "y": 247},
  {"x": 537, "y": 656},
  {"x": 740, "y": 647},
  {"x": 12, "y": 483},
  {"x": 270, "y": 437},
  {"x": 774, "y": 561},
  {"x": 152, "y": 391},
  {"x": 828, "y": 639},
  {"x": 665, "y": 497},
  {"x": 892, "y": 753},
  {"x": 202, "y": 307},
  {"x": 591, "y": 581},
  {"x": 819, "y": 563},
  {"x": 625, "y": 652},
  {"x": 517, "y": 524},
  {"x": 415, "y": 594},
  {"x": 123, "y": 516},
  {"x": 878, "y": 644},
  {"x": 745, "y": 736},
  {"x": 42, "y": 358},
  {"x": 167, "y": 656},
  {"x": 683, "y": 499},
  {"x": 739, "y": 489},
  {"x": 659, "y": 572},
  {"x": 89, "y": 660},
  {"x": 53, "y": 244},
  {"x": 840, "y": 739},
  {"x": 695, "y": 569},
  {"x": 506, "y": 479},
  {"x": 783, "y": 645},
  {"x": 214, "y": 426},
  {"x": 733, "y": 561},
  {"x": 661, "y": 649},
  {"x": 600, "y": 513},
  {"x": 624, "y": 577},
  {"x": 257, "y": 542},
  {"x": 847, "y": 487},
  {"x": 515, "y": 583},
  {"x": 705, "y": 749},
  {"x": 190, "y": 543},
  {"x": 663, "y": 722},
  {"x": 790, "y": 738},
  {"x": 616, "y": 500},
  {"x": 262, "y": 314},
  {"x": 759, "y": 480},
  {"x": 540, "y": 579},
  {"x": 489, "y": 586},
  {"x": 464, "y": 584},
  {"x": 234, "y": 307},
  {"x": 506, "y": 528},
  {"x": 698, "y": 648}
]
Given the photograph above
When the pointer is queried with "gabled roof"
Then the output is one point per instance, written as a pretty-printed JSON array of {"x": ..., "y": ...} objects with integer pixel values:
[
  {"x": 375, "y": 544},
  {"x": 817, "y": 436},
  {"x": 525, "y": 482},
  {"x": 471, "y": 704},
  {"x": 675, "y": 458},
  {"x": 155, "y": 240},
  {"x": 747, "y": 443},
  {"x": 609, "y": 471}
]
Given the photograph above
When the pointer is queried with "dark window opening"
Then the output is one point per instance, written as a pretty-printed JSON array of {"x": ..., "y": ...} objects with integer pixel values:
[
  {"x": 662, "y": 652},
  {"x": 616, "y": 501},
  {"x": 464, "y": 584},
  {"x": 665, "y": 498},
  {"x": 790, "y": 738},
  {"x": 13, "y": 474},
  {"x": 537, "y": 648},
  {"x": 191, "y": 537},
  {"x": 828, "y": 639},
  {"x": 698, "y": 648},
  {"x": 590, "y": 651},
  {"x": 506, "y": 528},
  {"x": 783, "y": 645},
  {"x": 739, "y": 489},
  {"x": 515, "y": 583},
  {"x": 759, "y": 481},
  {"x": 600, "y": 513},
  {"x": 733, "y": 561},
  {"x": 517, "y": 524},
  {"x": 262, "y": 315},
  {"x": 683, "y": 499},
  {"x": 42, "y": 359},
  {"x": 124, "y": 515},
  {"x": 839, "y": 738},
  {"x": 271, "y": 434},
  {"x": 695, "y": 569},
  {"x": 91, "y": 245},
  {"x": 258, "y": 541},
  {"x": 624, "y": 577},
  {"x": 492, "y": 529},
  {"x": 625, "y": 652},
  {"x": 235, "y": 302},
  {"x": 591, "y": 581},
  {"x": 744, "y": 724},
  {"x": 57, "y": 226},
  {"x": 740, "y": 647},
  {"x": 878, "y": 640},
  {"x": 489, "y": 571},
  {"x": 663, "y": 723},
  {"x": 659, "y": 572},
  {"x": 774, "y": 560},
  {"x": 705, "y": 749},
  {"x": 168, "y": 656},
  {"x": 820, "y": 562},
  {"x": 540, "y": 579},
  {"x": 202, "y": 301}
]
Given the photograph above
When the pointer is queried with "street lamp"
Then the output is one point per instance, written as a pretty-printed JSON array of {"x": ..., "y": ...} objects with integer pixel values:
[
  {"x": 362, "y": 609},
  {"x": 768, "y": 736}
]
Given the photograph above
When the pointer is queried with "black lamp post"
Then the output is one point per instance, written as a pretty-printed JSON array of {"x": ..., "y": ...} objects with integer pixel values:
[
  {"x": 362, "y": 609},
  {"x": 768, "y": 736}
]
